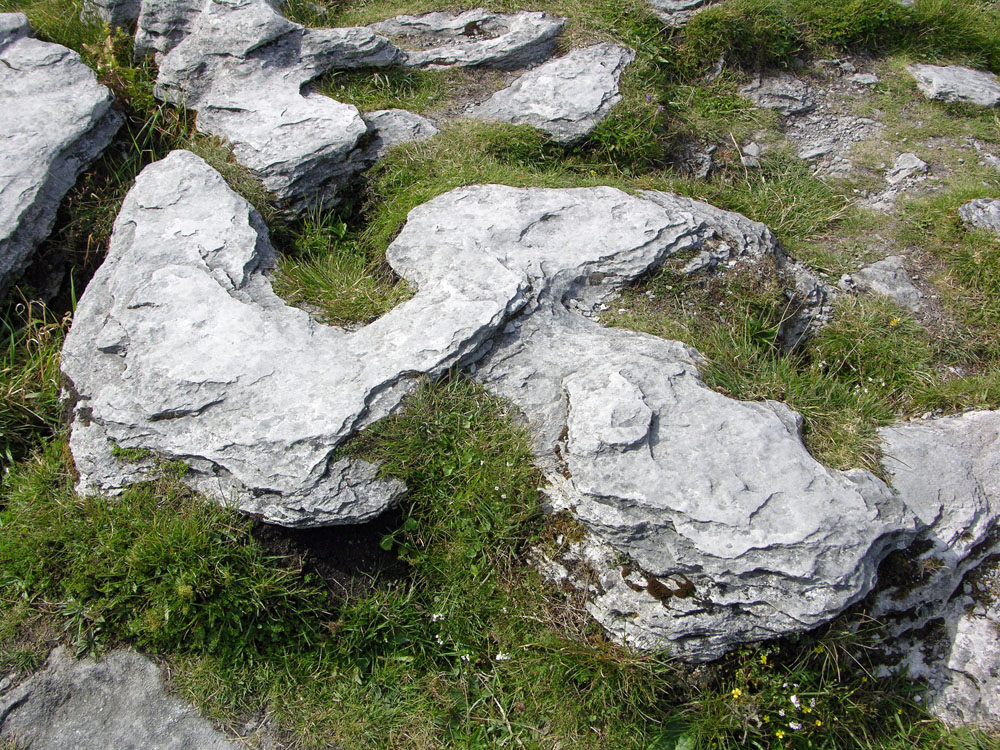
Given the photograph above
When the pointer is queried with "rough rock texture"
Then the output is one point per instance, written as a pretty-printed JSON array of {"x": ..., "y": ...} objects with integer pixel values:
[
  {"x": 906, "y": 166},
  {"x": 473, "y": 38},
  {"x": 711, "y": 498},
  {"x": 117, "y": 702},
  {"x": 954, "y": 83},
  {"x": 111, "y": 12},
  {"x": 782, "y": 92},
  {"x": 243, "y": 67},
  {"x": 889, "y": 278},
  {"x": 180, "y": 347},
  {"x": 57, "y": 120},
  {"x": 390, "y": 127},
  {"x": 982, "y": 213},
  {"x": 163, "y": 24},
  {"x": 676, "y": 13},
  {"x": 566, "y": 97},
  {"x": 947, "y": 473}
]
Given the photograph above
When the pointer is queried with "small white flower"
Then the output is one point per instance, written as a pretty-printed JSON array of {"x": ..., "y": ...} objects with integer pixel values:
[
  {"x": 795, "y": 701},
  {"x": 439, "y": 639},
  {"x": 437, "y": 616},
  {"x": 465, "y": 657},
  {"x": 781, "y": 712},
  {"x": 812, "y": 703},
  {"x": 482, "y": 462},
  {"x": 501, "y": 656},
  {"x": 503, "y": 496},
  {"x": 794, "y": 725},
  {"x": 497, "y": 489}
]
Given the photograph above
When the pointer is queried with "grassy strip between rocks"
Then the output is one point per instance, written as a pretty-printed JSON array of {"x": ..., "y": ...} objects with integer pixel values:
[{"x": 473, "y": 649}]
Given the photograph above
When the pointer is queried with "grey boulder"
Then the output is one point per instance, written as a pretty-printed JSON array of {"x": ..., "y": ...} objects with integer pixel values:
[
  {"x": 676, "y": 13},
  {"x": 473, "y": 38},
  {"x": 982, "y": 213},
  {"x": 111, "y": 12},
  {"x": 57, "y": 121},
  {"x": 955, "y": 83},
  {"x": 179, "y": 347},
  {"x": 118, "y": 701},
  {"x": 243, "y": 67},
  {"x": 888, "y": 277},
  {"x": 906, "y": 166},
  {"x": 947, "y": 473},
  {"x": 783, "y": 93},
  {"x": 390, "y": 127},
  {"x": 566, "y": 97},
  {"x": 708, "y": 522},
  {"x": 163, "y": 24}
]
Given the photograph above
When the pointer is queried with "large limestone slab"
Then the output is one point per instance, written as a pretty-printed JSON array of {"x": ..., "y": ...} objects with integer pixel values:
[
  {"x": 948, "y": 473},
  {"x": 57, "y": 120},
  {"x": 566, "y": 97},
  {"x": 681, "y": 489},
  {"x": 982, "y": 213},
  {"x": 243, "y": 67},
  {"x": 118, "y": 701},
  {"x": 473, "y": 38},
  {"x": 180, "y": 347},
  {"x": 955, "y": 83},
  {"x": 163, "y": 24},
  {"x": 111, "y": 12}
]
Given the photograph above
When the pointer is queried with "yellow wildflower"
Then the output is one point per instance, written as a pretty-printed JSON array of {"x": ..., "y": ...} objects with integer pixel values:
[
  {"x": 737, "y": 693},
  {"x": 763, "y": 659},
  {"x": 780, "y": 733},
  {"x": 894, "y": 322},
  {"x": 767, "y": 719},
  {"x": 819, "y": 723},
  {"x": 806, "y": 710}
]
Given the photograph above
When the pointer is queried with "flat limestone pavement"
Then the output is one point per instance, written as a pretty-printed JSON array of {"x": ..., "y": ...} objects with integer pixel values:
[
  {"x": 117, "y": 702},
  {"x": 56, "y": 121}
]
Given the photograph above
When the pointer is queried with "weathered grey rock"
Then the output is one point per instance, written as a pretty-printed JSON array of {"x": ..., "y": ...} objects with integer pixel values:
[
  {"x": 179, "y": 347},
  {"x": 111, "y": 12},
  {"x": 676, "y": 13},
  {"x": 474, "y": 38},
  {"x": 982, "y": 213},
  {"x": 163, "y": 24},
  {"x": 782, "y": 92},
  {"x": 906, "y": 166},
  {"x": 711, "y": 497},
  {"x": 946, "y": 471},
  {"x": 390, "y": 127},
  {"x": 864, "y": 79},
  {"x": 888, "y": 277},
  {"x": 243, "y": 67},
  {"x": 57, "y": 121},
  {"x": 955, "y": 83},
  {"x": 566, "y": 97},
  {"x": 118, "y": 701}
]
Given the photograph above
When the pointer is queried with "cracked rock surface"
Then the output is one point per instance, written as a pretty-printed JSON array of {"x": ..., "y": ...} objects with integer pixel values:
[
  {"x": 57, "y": 120},
  {"x": 676, "y": 13},
  {"x": 955, "y": 83},
  {"x": 566, "y": 97},
  {"x": 982, "y": 213},
  {"x": 889, "y": 278},
  {"x": 783, "y": 93},
  {"x": 111, "y": 12},
  {"x": 473, "y": 38},
  {"x": 113, "y": 702},
  {"x": 243, "y": 67}
]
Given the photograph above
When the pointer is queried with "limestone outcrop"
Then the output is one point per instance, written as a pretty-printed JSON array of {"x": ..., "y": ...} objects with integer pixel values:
[
  {"x": 566, "y": 97},
  {"x": 782, "y": 92},
  {"x": 243, "y": 67},
  {"x": 57, "y": 121},
  {"x": 111, "y": 12},
  {"x": 676, "y": 13},
  {"x": 955, "y": 83},
  {"x": 473, "y": 38},
  {"x": 982, "y": 213},
  {"x": 117, "y": 701}
]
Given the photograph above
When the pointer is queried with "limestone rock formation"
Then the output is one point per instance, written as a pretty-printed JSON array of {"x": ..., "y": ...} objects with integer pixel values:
[
  {"x": 906, "y": 166},
  {"x": 111, "y": 12},
  {"x": 982, "y": 213},
  {"x": 566, "y": 97},
  {"x": 57, "y": 121},
  {"x": 180, "y": 347},
  {"x": 676, "y": 13},
  {"x": 118, "y": 701},
  {"x": 473, "y": 38},
  {"x": 163, "y": 24},
  {"x": 782, "y": 92},
  {"x": 243, "y": 67},
  {"x": 888, "y": 277},
  {"x": 955, "y": 83},
  {"x": 947, "y": 473},
  {"x": 389, "y": 127}
]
